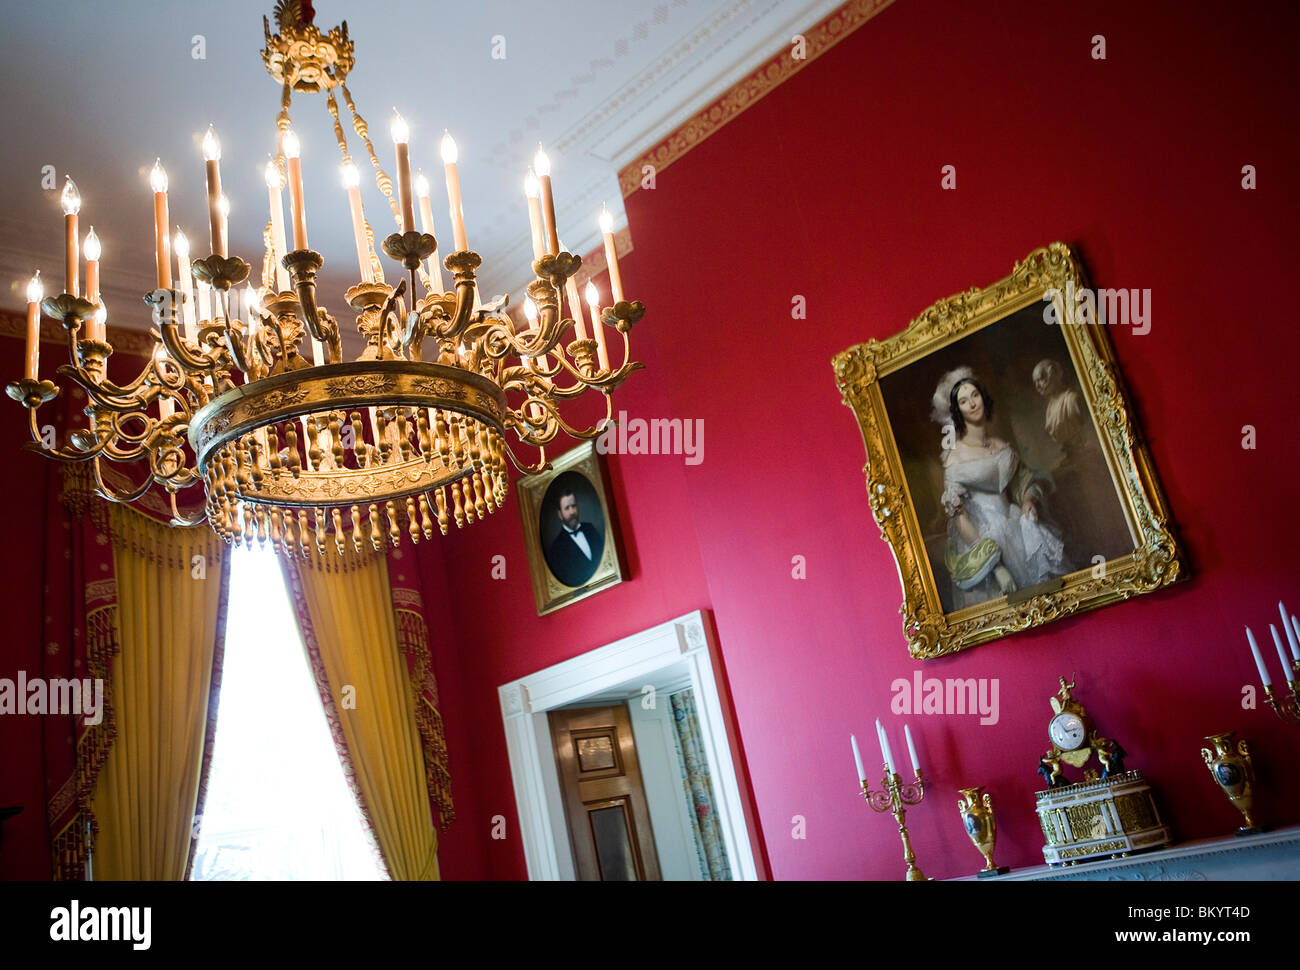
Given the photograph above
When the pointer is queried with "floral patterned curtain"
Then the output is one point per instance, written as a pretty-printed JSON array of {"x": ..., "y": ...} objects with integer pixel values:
[{"x": 696, "y": 781}]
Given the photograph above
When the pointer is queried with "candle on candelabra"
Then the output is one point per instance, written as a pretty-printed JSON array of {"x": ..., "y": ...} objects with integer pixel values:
[
  {"x": 71, "y": 200},
  {"x": 275, "y": 202},
  {"x": 93, "y": 251},
  {"x": 162, "y": 240},
  {"x": 223, "y": 206},
  {"x": 1288, "y": 624},
  {"x": 95, "y": 327},
  {"x": 1281, "y": 653},
  {"x": 189, "y": 310},
  {"x": 857, "y": 758},
  {"x": 885, "y": 750},
  {"x": 449, "y": 155},
  {"x": 426, "y": 225},
  {"x": 542, "y": 166},
  {"x": 911, "y": 750},
  {"x": 1259, "y": 661},
  {"x": 611, "y": 253},
  {"x": 530, "y": 313},
  {"x": 1295, "y": 628},
  {"x": 533, "y": 191},
  {"x": 575, "y": 305},
  {"x": 401, "y": 133},
  {"x": 212, "y": 165},
  {"x": 35, "y": 293},
  {"x": 203, "y": 304},
  {"x": 352, "y": 181},
  {"x": 598, "y": 328},
  {"x": 297, "y": 204}
]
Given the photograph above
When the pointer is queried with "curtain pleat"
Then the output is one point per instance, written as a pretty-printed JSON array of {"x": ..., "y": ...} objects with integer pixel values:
[
  {"x": 171, "y": 585},
  {"x": 345, "y": 612}
]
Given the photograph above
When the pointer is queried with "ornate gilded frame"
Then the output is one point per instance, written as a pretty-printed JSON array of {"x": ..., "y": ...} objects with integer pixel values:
[
  {"x": 1157, "y": 559},
  {"x": 548, "y": 592}
]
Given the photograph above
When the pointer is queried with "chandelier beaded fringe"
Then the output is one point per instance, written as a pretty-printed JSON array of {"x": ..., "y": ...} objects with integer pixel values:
[{"x": 309, "y": 454}]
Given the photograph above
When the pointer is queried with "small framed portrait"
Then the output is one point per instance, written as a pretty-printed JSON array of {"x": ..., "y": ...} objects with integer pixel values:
[
  {"x": 573, "y": 548},
  {"x": 1005, "y": 466}
]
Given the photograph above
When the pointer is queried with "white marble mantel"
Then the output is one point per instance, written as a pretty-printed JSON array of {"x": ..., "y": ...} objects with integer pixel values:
[{"x": 1268, "y": 856}]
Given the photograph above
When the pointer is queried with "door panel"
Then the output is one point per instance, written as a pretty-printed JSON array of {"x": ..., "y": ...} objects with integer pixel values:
[{"x": 604, "y": 798}]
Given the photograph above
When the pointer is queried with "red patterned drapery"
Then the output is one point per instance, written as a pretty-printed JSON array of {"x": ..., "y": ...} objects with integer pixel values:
[{"x": 413, "y": 639}]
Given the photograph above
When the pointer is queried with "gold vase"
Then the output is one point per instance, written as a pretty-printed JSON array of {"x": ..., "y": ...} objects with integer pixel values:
[
  {"x": 1232, "y": 771},
  {"x": 976, "y": 808}
]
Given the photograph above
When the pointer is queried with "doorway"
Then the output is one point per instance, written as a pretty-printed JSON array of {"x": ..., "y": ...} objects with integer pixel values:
[{"x": 658, "y": 678}]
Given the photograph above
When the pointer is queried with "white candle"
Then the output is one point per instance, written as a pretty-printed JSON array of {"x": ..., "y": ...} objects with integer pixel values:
[
  {"x": 426, "y": 225},
  {"x": 1259, "y": 661},
  {"x": 189, "y": 312},
  {"x": 885, "y": 751},
  {"x": 449, "y": 155},
  {"x": 542, "y": 166},
  {"x": 203, "y": 308},
  {"x": 297, "y": 201},
  {"x": 1281, "y": 653},
  {"x": 212, "y": 165},
  {"x": 611, "y": 254},
  {"x": 401, "y": 133},
  {"x": 1295, "y": 628},
  {"x": 533, "y": 192},
  {"x": 35, "y": 293},
  {"x": 598, "y": 328},
  {"x": 857, "y": 758},
  {"x": 1290, "y": 632},
  {"x": 352, "y": 181},
  {"x": 275, "y": 202},
  {"x": 162, "y": 241},
  {"x": 911, "y": 750}
]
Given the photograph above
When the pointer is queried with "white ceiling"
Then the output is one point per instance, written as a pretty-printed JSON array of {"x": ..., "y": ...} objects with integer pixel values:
[{"x": 98, "y": 89}]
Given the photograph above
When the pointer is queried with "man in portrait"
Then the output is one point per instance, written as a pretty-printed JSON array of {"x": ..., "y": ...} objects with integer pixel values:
[{"x": 575, "y": 551}]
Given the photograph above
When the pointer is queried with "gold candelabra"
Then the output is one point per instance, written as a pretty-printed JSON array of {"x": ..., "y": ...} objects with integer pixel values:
[
  {"x": 1288, "y": 655},
  {"x": 410, "y": 433},
  {"x": 1288, "y": 708},
  {"x": 894, "y": 797}
]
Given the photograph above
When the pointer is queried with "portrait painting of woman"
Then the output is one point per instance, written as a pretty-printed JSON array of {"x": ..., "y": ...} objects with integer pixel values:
[
  {"x": 1003, "y": 462},
  {"x": 1005, "y": 468}
]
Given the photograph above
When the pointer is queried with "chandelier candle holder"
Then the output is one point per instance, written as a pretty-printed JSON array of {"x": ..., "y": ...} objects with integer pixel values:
[
  {"x": 894, "y": 794},
  {"x": 412, "y": 435},
  {"x": 1286, "y": 708}
]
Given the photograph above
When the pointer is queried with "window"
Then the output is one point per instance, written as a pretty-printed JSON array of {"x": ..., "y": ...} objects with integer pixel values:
[{"x": 278, "y": 806}]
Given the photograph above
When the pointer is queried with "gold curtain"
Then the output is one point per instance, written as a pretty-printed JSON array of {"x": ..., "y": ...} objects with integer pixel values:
[
  {"x": 345, "y": 612},
  {"x": 170, "y": 616}
]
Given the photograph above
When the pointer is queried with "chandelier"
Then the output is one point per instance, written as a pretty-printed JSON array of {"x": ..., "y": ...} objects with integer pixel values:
[{"x": 411, "y": 433}]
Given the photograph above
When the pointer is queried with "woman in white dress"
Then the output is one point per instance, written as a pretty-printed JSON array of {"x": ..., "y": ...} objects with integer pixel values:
[{"x": 998, "y": 540}]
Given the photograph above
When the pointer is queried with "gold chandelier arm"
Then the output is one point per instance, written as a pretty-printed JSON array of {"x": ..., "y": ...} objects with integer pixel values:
[
  {"x": 123, "y": 498},
  {"x": 178, "y": 349},
  {"x": 182, "y": 520},
  {"x": 105, "y": 393}
]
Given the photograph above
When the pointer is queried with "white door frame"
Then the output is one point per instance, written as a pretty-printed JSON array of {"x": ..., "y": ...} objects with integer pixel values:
[{"x": 548, "y": 851}]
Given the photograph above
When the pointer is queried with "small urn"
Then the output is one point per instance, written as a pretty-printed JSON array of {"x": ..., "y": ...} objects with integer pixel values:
[
  {"x": 976, "y": 808},
  {"x": 1231, "y": 768}
]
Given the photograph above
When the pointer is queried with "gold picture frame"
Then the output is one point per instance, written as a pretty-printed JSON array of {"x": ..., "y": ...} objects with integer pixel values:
[
  {"x": 884, "y": 382},
  {"x": 566, "y": 571}
]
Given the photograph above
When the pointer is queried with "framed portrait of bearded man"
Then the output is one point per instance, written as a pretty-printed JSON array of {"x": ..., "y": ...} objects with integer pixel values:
[{"x": 1004, "y": 464}]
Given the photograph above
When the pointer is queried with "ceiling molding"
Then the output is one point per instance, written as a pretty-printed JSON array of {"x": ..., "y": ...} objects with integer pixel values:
[{"x": 747, "y": 92}]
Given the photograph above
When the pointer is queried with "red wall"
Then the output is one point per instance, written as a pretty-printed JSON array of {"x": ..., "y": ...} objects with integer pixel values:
[{"x": 830, "y": 188}]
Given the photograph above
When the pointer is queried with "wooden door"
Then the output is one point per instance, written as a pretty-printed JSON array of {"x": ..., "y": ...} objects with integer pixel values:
[{"x": 604, "y": 799}]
